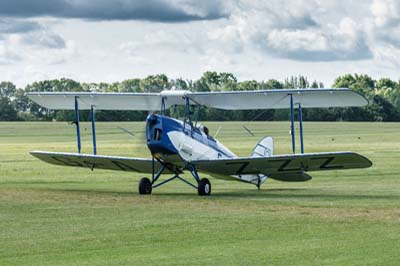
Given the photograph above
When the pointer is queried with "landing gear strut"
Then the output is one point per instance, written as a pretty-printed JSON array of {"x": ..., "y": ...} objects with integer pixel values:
[{"x": 146, "y": 186}]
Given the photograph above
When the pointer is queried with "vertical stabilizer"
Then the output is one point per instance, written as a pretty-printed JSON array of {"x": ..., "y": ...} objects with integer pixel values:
[{"x": 264, "y": 148}]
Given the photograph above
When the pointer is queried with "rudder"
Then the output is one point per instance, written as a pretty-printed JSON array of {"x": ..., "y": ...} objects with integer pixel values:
[{"x": 264, "y": 148}]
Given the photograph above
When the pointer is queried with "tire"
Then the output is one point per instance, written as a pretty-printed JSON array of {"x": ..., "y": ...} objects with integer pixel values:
[
  {"x": 145, "y": 186},
  {"x": 204, "y": 188}
]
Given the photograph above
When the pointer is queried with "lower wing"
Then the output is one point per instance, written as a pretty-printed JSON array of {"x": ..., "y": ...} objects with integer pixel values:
[
  {"x": 99, "y": 161},
  {"x": 283, "y": 165}
]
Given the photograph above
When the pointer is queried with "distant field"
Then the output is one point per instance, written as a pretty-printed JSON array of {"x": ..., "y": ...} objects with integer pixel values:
[{"x": 53, "y": 215}]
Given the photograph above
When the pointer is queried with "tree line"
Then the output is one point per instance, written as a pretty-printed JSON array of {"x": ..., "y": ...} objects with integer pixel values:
[{"x": 383, "y": 96}]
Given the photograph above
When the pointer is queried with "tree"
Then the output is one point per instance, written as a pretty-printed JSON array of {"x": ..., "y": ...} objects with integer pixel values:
[
  {"x": 7, "y": 111},
  {"x": 7, "y": 89},
  {"x": 180, "y": 84},
  {"x": 200, "y": 86},
  {"x": 211, "y": 77},
  {"x": 7, "y": 96},
  {"x": 271, "y": 84},
  {"x": 155, "y": 83},
  {"x": 361, "y": 83},
  {"x": 248, "y": 85},
  {"x": 225, "y": 77},
  {"x": 296, "y": 82},
  {"x": 314, "y": 85},
  {"x": 383, "y": 95},
  {"x": 386, "y": 83}
]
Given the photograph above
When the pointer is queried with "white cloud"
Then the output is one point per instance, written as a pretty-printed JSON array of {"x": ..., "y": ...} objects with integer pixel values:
[
  {"x": 386, "y": 12},
  {"x": 386, "y": 27},
  {"x": 294, "y": 31},
  {"x": 7, "y": 54},
  {"x": 254, "y": 39}
]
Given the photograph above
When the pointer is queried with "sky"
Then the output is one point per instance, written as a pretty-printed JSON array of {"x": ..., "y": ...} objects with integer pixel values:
[{"x": 108, "y": 41}]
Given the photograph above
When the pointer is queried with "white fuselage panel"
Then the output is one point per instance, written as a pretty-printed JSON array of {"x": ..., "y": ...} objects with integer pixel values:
[{"x": 190, "y": 149}]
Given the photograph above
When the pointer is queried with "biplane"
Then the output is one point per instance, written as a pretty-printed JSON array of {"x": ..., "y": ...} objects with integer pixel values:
[{"x": 180, "y": 145}]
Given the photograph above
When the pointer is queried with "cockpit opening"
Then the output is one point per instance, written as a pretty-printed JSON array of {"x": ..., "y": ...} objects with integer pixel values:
[{"x": 157, "y": 134}]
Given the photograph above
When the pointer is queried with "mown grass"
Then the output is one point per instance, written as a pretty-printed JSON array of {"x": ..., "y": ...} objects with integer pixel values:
[{"x": 53, "y": 215}]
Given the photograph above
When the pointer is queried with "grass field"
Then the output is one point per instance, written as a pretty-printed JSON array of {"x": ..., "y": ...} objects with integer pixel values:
[{"x": 53, "y": 215}]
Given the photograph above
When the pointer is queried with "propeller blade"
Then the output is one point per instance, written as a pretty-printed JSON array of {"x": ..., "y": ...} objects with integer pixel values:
[
  {"x": 127, "y": 131},
  {"x": 248, "y": 130},
  {"x": 218, "y": 130}
]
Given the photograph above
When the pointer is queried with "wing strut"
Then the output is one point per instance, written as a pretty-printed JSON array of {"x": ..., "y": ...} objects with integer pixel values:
[
  {"x": 78, "y": 131},
  {"x": 93, "y": 130},
  {"x": 292, "y": 123},
  {"x": 301, "y": 129},
  {"x": 292, "y": 132}
]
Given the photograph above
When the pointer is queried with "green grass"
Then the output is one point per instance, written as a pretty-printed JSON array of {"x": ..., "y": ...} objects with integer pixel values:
[{"x": 53, "y": 215}]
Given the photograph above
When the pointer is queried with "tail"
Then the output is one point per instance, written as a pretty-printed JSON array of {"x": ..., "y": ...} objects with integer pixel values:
[{"x": 264, "y": 148}]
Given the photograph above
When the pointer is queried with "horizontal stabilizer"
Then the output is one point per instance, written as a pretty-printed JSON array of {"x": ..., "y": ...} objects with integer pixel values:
[
  {"x": 98, "y": 161},
  {"x": 282, "y": 164},
  {"x": 291, "y": 177}
]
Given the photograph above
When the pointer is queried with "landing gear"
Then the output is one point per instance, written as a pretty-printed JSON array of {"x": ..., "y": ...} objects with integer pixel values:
[
  {"x": 204, "y": 187},
  {"x": 145, "y": 186}
]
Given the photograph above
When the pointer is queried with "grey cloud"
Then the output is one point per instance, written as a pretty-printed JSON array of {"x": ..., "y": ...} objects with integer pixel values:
[
  {"x": 150, "y": 10},
  {"x": 31, "y": 33},
  {"x": 298, "y": 32},
  {"x": 8, "y": 26},
  {"x": 317, "y": 45},
  {"x": 389, "y": 36},
  {"x": 301, "y": 22},
  {"x": 386, "y": 21},
  {"x": 288, "y": 21},
  {"x": 8, "y": 57},
  {"x": 45, "y": 39},
  {"x": 323, "y": 55}
]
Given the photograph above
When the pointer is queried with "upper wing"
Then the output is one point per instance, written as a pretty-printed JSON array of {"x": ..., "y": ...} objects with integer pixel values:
[
  {"x": 229, "y": 100},
  {"x": 283, "y": 164},
  {"x": 101, "y": 101},
  {"x": 99, "y": 161},
  {"x": 279, "y": 99}
]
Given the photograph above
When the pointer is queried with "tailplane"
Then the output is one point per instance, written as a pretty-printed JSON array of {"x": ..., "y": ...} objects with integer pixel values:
[{"x": 264, "y": 148}]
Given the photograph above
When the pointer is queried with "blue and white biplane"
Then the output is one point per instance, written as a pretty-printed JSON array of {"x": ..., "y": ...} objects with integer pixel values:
[{"x": 180, "y": 145}]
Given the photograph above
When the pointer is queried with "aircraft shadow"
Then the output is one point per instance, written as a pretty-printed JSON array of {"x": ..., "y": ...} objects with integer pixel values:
[{"x": 275, "y": 193}]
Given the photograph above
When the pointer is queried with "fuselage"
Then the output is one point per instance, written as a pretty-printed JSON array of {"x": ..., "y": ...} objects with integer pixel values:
[
  {"x": 174, "y": 141},
  {"x": 177, "y": 143}
]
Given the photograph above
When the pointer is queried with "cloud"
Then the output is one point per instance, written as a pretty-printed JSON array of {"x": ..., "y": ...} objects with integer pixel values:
[
  {"x": 44, "y": 39},
  {"x": 386, "y": 12},
  {"x": 30, "y": 33},
  {"x": 297, "y": 31},
  {"x": 7, "y": 55},
  {"x": 9, "y": 26},
  {"x": 149, "y": 10},
  {"x": 386, "y": 27},
  {"x": 343, "y": 42}
]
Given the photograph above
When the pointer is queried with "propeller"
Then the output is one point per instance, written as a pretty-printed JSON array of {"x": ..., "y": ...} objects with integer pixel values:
[
  {"x": 127, "y": 131},
  {"x": 217, "y": 132},
  {"x": 248, "y": 130}
]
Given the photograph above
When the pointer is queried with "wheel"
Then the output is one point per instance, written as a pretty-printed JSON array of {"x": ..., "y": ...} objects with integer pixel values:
[
  {"x": 145, "y": 186},
  {"x": 204, "y": 188}
]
